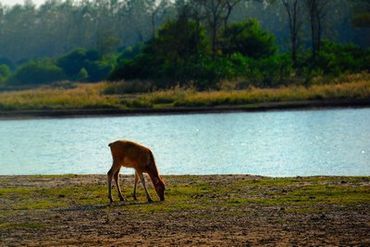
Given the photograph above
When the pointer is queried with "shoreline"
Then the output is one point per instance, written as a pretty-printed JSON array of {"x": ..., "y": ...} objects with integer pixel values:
[{"x": 258, "y": 107}]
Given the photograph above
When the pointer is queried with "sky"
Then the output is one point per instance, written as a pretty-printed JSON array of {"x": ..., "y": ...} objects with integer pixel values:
[{"x": 12, "y": 2}]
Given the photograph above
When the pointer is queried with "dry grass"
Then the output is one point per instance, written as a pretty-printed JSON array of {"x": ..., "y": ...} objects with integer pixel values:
[
  {"x": 83, "y": 96},
  {"x": 92, "y": 96},
  {"x": 360, "y": 89}
]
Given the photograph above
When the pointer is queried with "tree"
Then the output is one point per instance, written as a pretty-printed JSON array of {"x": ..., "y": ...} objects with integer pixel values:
[
  {"x": 230, "y": 4},
  {"x": 82, "y": 75},
  {"x": 167, "y": 58},
  {"x": 213, "y": 11},
  {"x": 158, "y": 8},
  {"x": 4, "y": 72},
  {"x": 317, "y": 10},
  {"x": 249, "y": 39},
  {"x": 294, "y": 11},
  {"x": 90, "y": 60},
  {"x": 361, "y": 13},
  {"x": 37, "y": 72}
]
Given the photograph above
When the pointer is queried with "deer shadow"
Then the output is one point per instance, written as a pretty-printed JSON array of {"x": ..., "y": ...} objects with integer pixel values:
[{"x": 118, "y": 204}]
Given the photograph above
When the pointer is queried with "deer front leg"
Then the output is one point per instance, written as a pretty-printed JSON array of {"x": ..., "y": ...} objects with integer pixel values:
[
  {"x": 116, "y": 178},
  {"x": 110, "y": 175},
  {"x": 146, "y": 191},
  {"x": 115, "y": 167},
  {"x": 136, "y": 179}
]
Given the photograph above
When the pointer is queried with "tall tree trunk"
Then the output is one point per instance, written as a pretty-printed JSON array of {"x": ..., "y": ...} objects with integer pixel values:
[
  {"x": 292, "y": 9},
  {"x": 153, "y": 24}
]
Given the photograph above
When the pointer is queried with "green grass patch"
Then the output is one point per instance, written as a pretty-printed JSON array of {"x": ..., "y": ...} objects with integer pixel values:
[
  {"x": 194, "y": 193},
  {"x": 306, "y": 192}
]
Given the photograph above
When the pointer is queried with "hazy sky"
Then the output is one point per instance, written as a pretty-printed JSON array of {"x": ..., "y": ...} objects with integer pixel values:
[{"x": 12, "y": 2}]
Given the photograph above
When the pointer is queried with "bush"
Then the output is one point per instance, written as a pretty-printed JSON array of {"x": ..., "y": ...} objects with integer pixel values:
[
  {"x": 82, "y": 75},
  {"x": 74, "y": 61},
  {"x": 97, "y": 69},
  {"x": 130, "y": 52},
  {"x": 337, "y": 58},
  {"x": 8, "y": 62},
  {"x": 271, "y": 71},
  {"x": 37, "y": 72},
  {"x": 4, "y": 72},
  {"x": 249, "y": 39}
]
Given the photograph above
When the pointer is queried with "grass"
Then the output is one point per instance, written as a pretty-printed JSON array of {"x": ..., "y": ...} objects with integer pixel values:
[
  {"x": 92, "y": 96},
  {"x": 199, "y": 194},
  {"x": 82, "y": 97},
  {"x": 70, "y": 208}
]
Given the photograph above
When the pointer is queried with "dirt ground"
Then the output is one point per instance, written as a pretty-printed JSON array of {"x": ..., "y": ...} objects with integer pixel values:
[{"x": 238, "y": 210}]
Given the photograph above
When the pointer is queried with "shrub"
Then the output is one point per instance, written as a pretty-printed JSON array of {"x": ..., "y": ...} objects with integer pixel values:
[
  {"x": 4, "y": 72},
  {"x": 74, "y": 61},
  {"x": 130, "y": 52},
  {"x": 273, "y": 71},
  {"x": 97, "y": 69},
  {"x": 337, "y": 58},
  {"x": 8, "y": 62},
  {"x": 248, "y": 38},
  {"x": 82, "y": 75},
  {"x": 37, "y": 72}
]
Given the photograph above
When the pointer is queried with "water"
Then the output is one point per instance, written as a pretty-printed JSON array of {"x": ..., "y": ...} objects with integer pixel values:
[{"x": 280, "y": 143}]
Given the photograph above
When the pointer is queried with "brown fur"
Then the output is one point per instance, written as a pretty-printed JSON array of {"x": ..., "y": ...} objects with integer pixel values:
[{"x": 133, "y": 155}]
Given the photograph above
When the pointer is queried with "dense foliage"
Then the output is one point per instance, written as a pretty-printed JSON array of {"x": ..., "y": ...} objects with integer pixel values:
[
  {"x": 181, "y": 55},
  {"x": 37, "y": 72},
  {"x": 86, "y": 65},
  {"x": 207, "y": 44},
  {"x": 249, "y": 39}
]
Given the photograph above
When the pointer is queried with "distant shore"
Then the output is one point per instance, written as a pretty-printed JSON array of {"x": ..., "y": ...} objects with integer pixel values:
[{"x": 268, "y": 106}]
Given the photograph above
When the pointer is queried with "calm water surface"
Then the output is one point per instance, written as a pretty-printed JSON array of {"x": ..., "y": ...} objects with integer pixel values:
[{"x": 281, "y": 143}]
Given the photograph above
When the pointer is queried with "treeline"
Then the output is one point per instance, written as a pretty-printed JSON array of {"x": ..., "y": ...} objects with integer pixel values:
[
  {"x": 204, "y": 49},
  {"x": 185, "y": 42}
]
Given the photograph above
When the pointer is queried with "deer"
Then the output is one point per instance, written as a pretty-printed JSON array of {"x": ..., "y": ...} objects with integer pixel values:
[{"x": 133, "y": 155}]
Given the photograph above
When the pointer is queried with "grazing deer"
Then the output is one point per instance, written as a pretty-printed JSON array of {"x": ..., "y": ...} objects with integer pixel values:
[{"x": 133, "y": 155}]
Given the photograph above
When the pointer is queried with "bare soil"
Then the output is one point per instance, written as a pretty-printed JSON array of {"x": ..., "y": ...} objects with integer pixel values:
[{"x": 230, "y": 210}]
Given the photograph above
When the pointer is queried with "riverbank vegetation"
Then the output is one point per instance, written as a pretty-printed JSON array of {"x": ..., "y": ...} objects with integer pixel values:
[
  {"x": 206, "y": 210},
  {"x": 110, "y": 95}
]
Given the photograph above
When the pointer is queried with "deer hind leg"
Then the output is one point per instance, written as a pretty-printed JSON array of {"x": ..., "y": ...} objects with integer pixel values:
[
  {"x": 136, "y": 179},
  {"x": 116, "y": 178},
  {"x": 146, "y": 191},
  {"x": 110, "y": 174}
]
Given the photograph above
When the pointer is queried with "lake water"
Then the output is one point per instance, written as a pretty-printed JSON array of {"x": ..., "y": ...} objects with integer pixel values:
[{"x": 278, "y": 143}]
